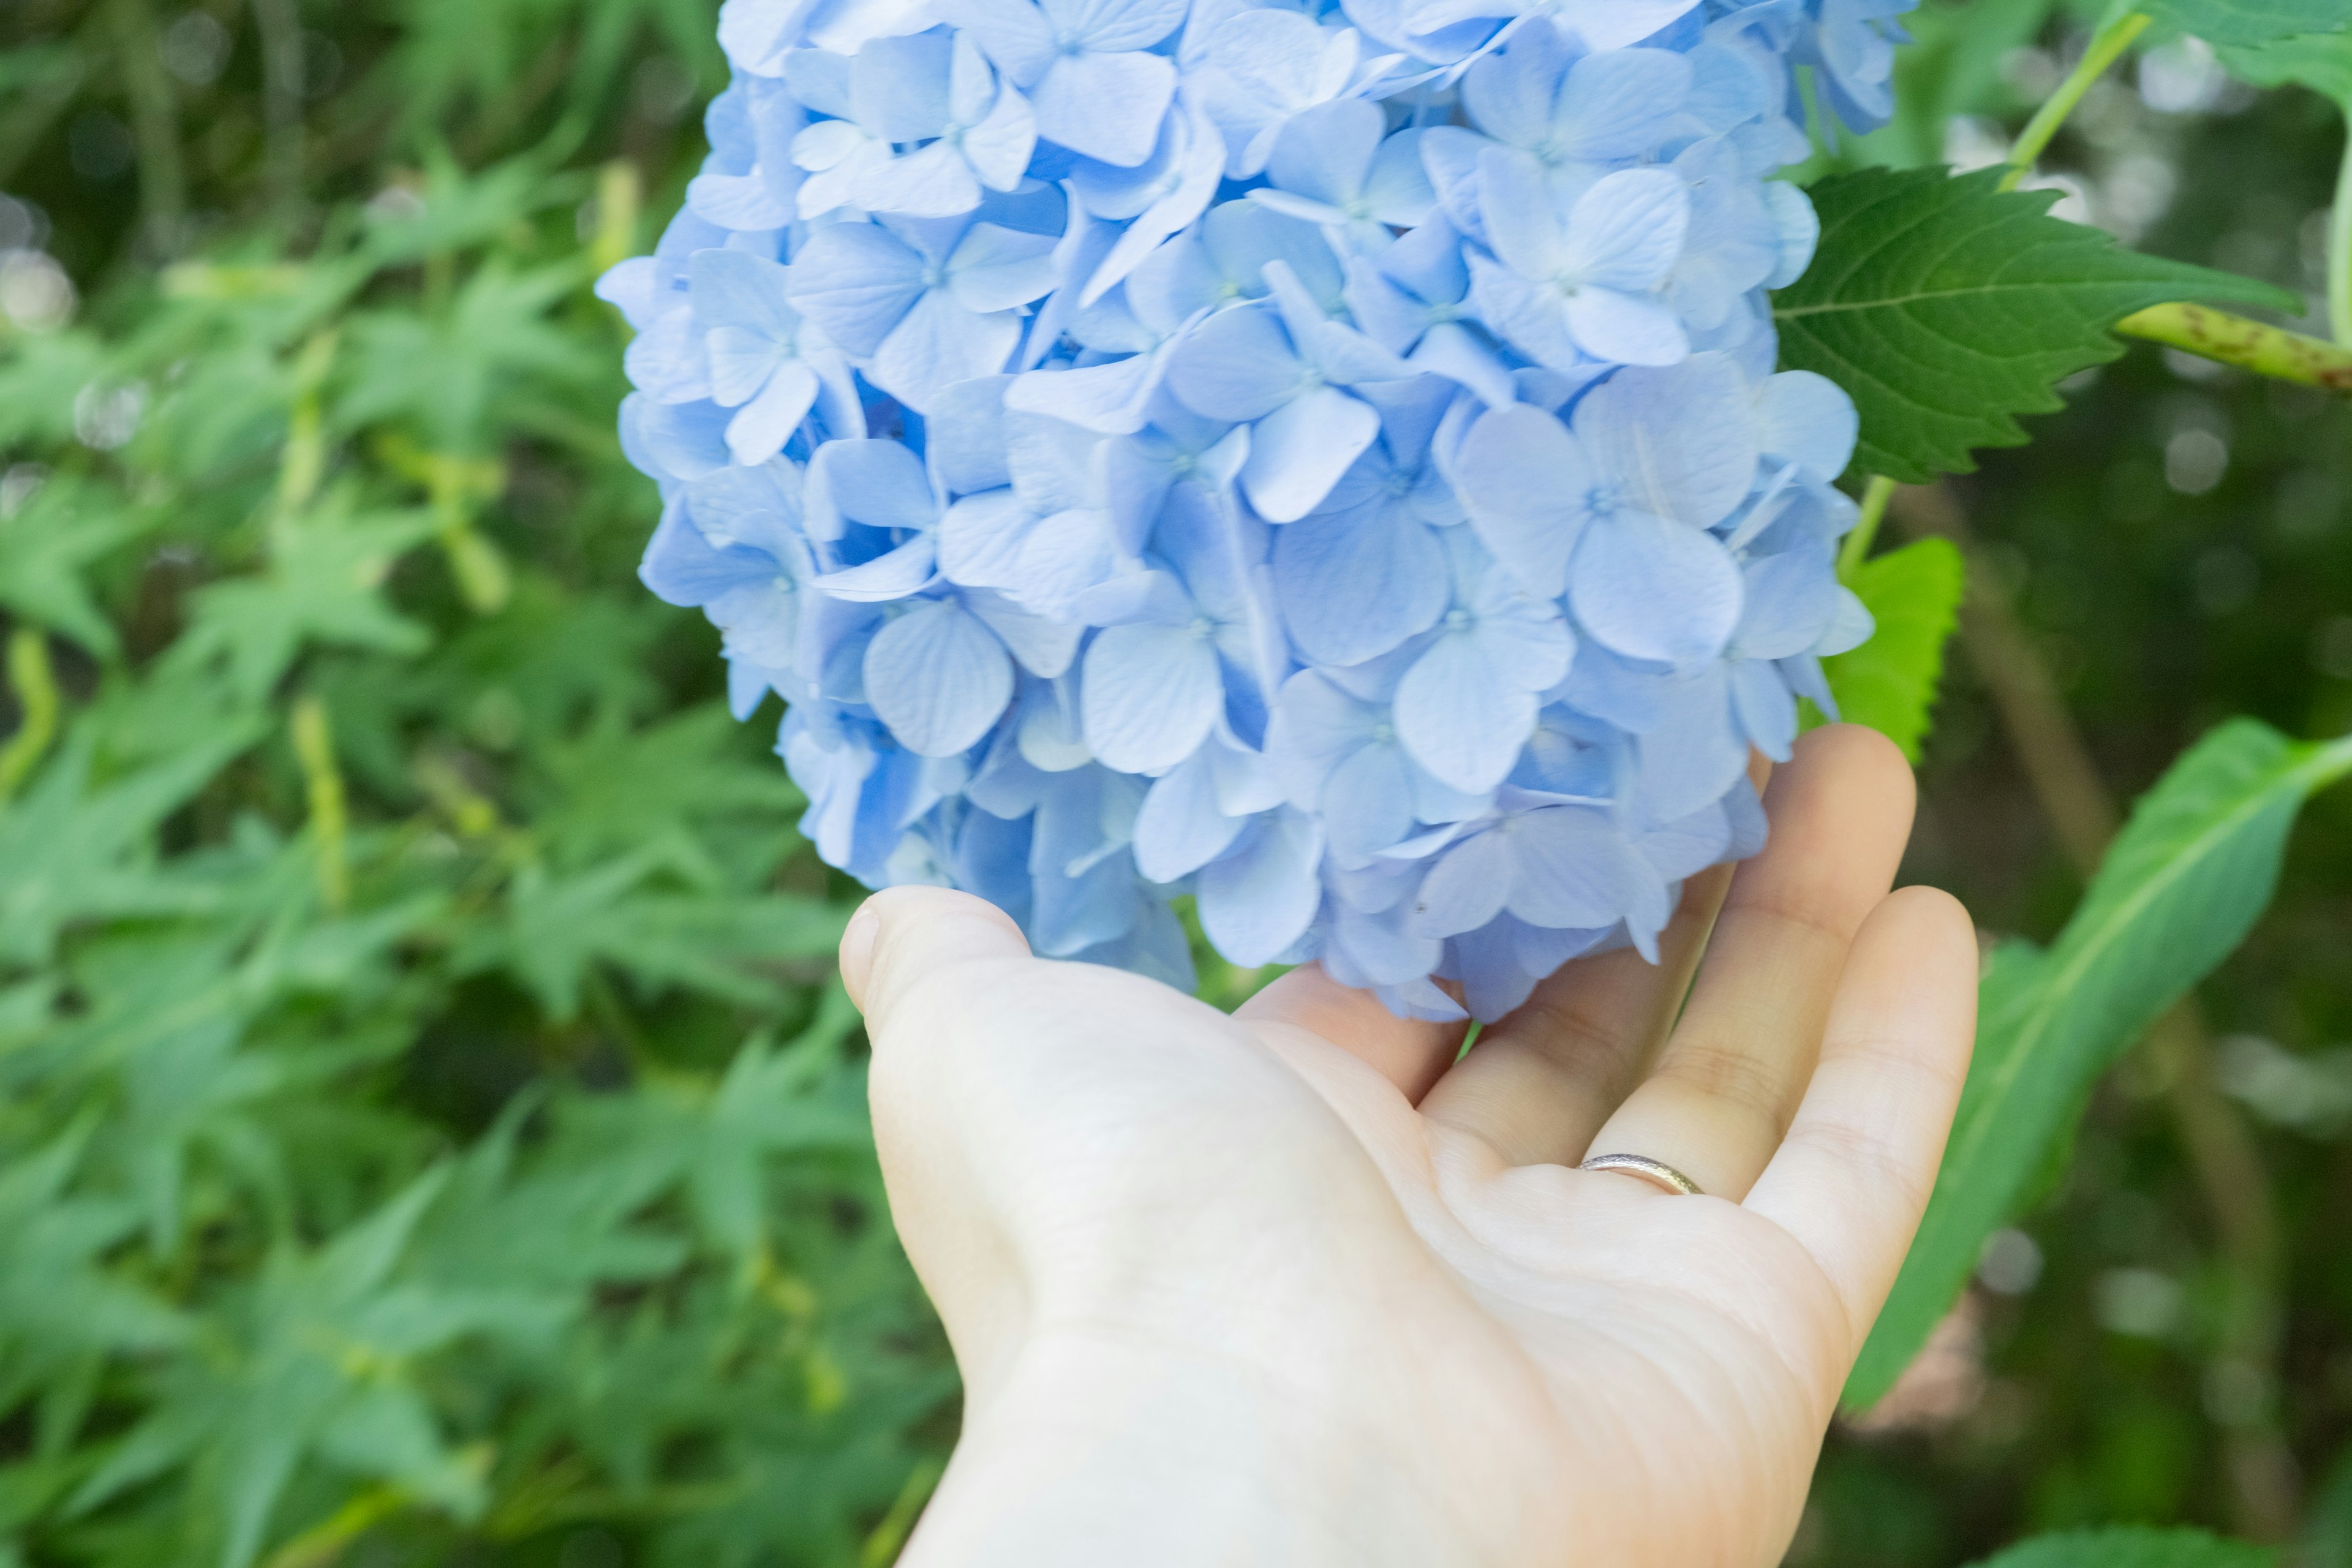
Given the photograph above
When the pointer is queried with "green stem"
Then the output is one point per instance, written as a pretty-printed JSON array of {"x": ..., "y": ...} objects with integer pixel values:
[
  {"x": 2108, "y": 45},
  {"x": 2339, "y": 244},
  {"x": 2265, "y": 350},
  {"x": 154, "y": 116},
  {"x": 314, "y": 744},
  {"x": 1856, "y": 549},
  {"x": 36, "y": 686}
]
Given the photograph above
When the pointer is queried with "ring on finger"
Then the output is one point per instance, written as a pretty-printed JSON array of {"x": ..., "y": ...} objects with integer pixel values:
[{"x": 1657, "y": 1173}]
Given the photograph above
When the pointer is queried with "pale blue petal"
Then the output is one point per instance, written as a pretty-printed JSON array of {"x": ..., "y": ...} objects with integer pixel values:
[
  {"x": 1354, "y": 584},
  {"x": 1259, "y": 900},
  {"x": 1181, "y": 827},
  {"x": 938, "y": 678},
  {"x": 1526, "y": 484},
  {"x": 1116, "y": 23},
  {"x": 878, "y": 483},
  {"x": 1575, "y": 872},
  {"x": 1467, "y": 887},
  {"x": 965, "y": 438},
  {"x": 940, "y": 343},
  {"x": 1655, "y": 589},
  {"x": 1631, "y": 329},
  {"x": 1238, "y": 365},
  {"x": 1107, "y": 106},
  {"x": 1809, "y": 420},
  {"x": 1624, "y": 233},
  {"x": 1298, "y": 452},
  {"x": 891, "y": 575},
  {"x": 899, "y": 86},
  {"x": 1621, "y": 103},
  {"x": 1366, "y": 805},
  {"x": 1694, "y": 756},
  {"x": 1792, "y": 599},
  {"x": 1460, "y": 717},
  {"x": 762, "y": 426},
  {"x": 855, "y": 281},
  {"x": 996, "y": 268},
  {"x": 1326, "y": 154},
  {"x": 1043, "y": 647},
  {"x": 1765, "y": 708},
  {"x": 1678, "y": 442},
  {"x": 1151, "y": 694}
]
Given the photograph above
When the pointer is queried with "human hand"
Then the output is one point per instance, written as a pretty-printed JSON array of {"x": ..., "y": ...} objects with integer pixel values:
[{"x": 1297, "y": 1288}]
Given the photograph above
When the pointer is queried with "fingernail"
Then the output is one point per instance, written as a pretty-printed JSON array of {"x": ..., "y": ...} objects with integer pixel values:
[{"x": 858, "y": 952}]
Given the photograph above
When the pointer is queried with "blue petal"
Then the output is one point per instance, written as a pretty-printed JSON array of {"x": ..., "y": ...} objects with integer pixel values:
[
  {"x": 1354, "y": 584},
  {"x": 1526, "y": 483},
  {"x": 1236, "y": 365},
  {"x": 938, "y": 343},
  {"x": 1655, "y": 589},
  {"x": 1460, "y": 717},
  {"x": 1107, "y": 106},
  {"x": 939, "y": 678},
  {"x": 1151, "y": 694},
  {"x": 1299, "y": 450},
  {"x": 1467, "y": 887},
  {"x": 1258, "y": 901},
  {"x": 855, "y": 280},
  {"x": 1182, "y": 827},
  {"x": 1677, "y": 442}
]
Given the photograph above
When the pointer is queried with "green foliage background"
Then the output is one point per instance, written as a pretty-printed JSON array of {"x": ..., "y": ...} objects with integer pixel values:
[{"x": 429, "y": 1131}]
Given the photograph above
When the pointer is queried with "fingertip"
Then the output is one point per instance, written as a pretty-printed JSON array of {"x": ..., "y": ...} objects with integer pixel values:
[
  {"x": 901, "y": 934},
  {"x": 1858, "y": 751}
]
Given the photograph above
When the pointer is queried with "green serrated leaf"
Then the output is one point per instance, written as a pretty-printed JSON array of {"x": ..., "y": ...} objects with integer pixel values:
[
  {"x": 1948, "y": 307},
  {"x": 2132, "y": 1547},
  {"x": 2320, "y": 62},
  {"x": 2185, "y": 881},
  {"x": 1890, "y": 682},
  {"x": 2248, "y": 21}
]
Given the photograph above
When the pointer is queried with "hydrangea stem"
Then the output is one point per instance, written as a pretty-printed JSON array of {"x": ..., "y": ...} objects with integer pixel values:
[
  {"x": 2339, "y": 244},
  {"x": 34, "y": 685},
  {"x": 2265, "y": 350},
  {"x": 314, "y": 745},
  {"x": 1856, "y": 549},
  {"x": 2107, "y": 47}
]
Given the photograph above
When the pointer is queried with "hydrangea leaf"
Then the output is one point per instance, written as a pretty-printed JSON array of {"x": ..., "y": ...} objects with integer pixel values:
[
  {"x": 2248, "y": 21},
  {"x": 2181, "y": 888},
  {"x": 1948, "y": 307},
  {"x": 2132, "y": 1547},
  {"x": 2321, "y": 62},
  {"x": 1890, "y": 682}
]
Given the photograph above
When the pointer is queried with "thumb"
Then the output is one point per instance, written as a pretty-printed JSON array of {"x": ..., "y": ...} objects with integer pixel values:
[{"x": 902, "y": 935}]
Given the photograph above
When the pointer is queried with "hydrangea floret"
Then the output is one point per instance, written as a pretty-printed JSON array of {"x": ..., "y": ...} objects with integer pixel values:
[{"x": 1323, "y": 459}]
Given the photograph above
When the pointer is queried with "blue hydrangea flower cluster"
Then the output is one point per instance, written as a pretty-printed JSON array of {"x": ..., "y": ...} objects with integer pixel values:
[{"x": 1324, "y": 459}]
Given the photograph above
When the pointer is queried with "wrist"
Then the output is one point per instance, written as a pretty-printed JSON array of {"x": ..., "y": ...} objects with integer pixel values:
[{"x": 1093, "y": 1452}]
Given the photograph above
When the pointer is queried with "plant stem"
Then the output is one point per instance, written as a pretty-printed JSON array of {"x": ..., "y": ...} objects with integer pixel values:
[
  {"x": 314, "y": 744},
  {"x": 35, "y": 687},
  {"x": 2222, "y": 1156},
  {"x": 162, "y": 180},
  {"x": 1856, "y": 549},
  {"x": 2107, "y": 45},
  {"x": 2265, "y": 350},
  {"x": 281, "y": 96},
  {"x": 2339, "y": 244}
]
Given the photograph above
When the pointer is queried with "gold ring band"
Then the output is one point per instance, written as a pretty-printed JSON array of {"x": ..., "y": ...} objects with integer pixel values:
[{"x": 1657, "y": 1173}]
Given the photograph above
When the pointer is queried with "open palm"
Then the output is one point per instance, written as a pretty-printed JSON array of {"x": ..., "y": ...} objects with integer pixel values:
[{"x": 1297, "y": 1287}]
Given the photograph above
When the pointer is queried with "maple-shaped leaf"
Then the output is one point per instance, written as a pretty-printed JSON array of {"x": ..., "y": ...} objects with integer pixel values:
[
  {"x": 45, "y": 544},
  {"x": 1947, "y": 307},
  {"x": 321, "y": 582}
]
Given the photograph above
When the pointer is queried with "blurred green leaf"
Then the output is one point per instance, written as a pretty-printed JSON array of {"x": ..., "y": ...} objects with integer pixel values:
[
  {"x": 2133, "y": 1548},
  {"x": 45, "y": 544},
  {"x": 2183, "y": 884},
  {"x": 2322, "y": 63},
  {"x": 1890, "y": 682},
  {"x": 2248, "y": 21},
  {"x": 1948, "y": 307}
]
